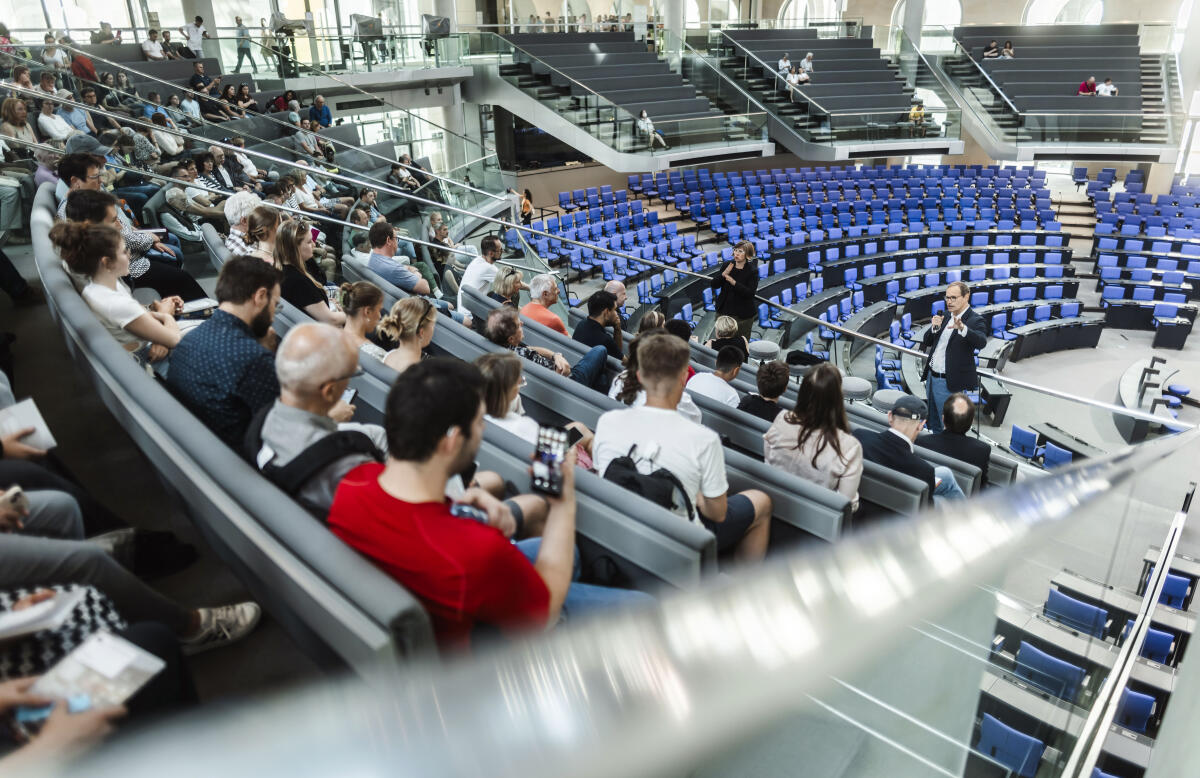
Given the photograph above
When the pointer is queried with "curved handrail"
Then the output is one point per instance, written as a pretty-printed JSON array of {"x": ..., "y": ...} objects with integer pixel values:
[
  {"x": 275, "y": 120},
  {"x": 746, "y": 52}
]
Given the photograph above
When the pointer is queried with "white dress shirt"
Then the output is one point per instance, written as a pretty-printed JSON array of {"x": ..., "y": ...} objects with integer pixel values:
[{"x": 938, "y": 363}]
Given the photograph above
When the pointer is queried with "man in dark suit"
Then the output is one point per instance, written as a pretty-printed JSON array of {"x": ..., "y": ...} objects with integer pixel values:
[
  {"x": 893, "y": 448},
  {"x": 957, "y": 416},
  {"x": 951, "y": 365}
]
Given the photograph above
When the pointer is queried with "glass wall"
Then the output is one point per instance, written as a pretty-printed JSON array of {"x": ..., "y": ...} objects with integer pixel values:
[{"x": 1064, "y": 12}]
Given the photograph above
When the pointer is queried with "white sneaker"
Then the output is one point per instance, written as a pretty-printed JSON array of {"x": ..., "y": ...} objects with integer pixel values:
[{"x": 221, "y": 626}]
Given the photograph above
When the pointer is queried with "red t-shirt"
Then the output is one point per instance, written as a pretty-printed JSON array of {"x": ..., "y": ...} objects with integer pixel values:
[
  {"x": 462, "y": 571},
  {"x": 1086, "y": 89},
  {"x": 543, "y": 315}
]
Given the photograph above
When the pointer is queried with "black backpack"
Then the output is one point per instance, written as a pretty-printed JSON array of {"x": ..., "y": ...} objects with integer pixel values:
[
  {"x": 660, "y": 486},
  {"x": 292, "y": 477}
]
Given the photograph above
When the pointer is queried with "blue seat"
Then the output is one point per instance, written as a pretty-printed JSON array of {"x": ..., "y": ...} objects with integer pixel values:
[
  {"x": 1055, "y": 456},
  {"x": 1075, "y": 614},
  {"x": 1025, "y": 443},
  {"x": 1157, "y": 646},
  {"x": 1134, "y": 710},
  {"x": 1175, "y": 591},
  {"x": 1015, "y": 750},
  {"x": 1062, "y": 679}
]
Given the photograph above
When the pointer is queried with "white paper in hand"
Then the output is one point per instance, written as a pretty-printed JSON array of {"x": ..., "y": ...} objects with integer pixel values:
[
  {"x": 50, "y": 614},
  {"x": 24, "y": 415}
]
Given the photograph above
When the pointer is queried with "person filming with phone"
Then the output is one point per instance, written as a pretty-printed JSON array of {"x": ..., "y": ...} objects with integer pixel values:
[
  {"x": 455, "y": 556},
  {"x": 954, "y": 337}
]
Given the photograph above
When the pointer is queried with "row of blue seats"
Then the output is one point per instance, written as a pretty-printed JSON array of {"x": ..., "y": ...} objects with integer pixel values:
[
  {"x": 793, "y": 175},
  {"x": 917, "y": 193},
  {"x": 1111, "y": 292},
  {"x": 1142, "y": 198},
  {"x": 1177, "y": 229},
  {"x": 591, "y": 197},
  {"x": 892, "y": 221},
  {"x": 1137, "y": 262},
  {"x": 1138, "y": 244},
  {"x": 597, "y": 215},
  {"x": 1157, "y": 213},
  {"x": 1111, "y": 273}
]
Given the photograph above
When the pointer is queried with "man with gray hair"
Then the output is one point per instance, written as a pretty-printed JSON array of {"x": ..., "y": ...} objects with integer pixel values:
[
  {"x": 319, "y": 113},
  {"x": 543, "y": 292},
  {"x": 237, "y": 213},
  {"x": 314, "y": 364}
]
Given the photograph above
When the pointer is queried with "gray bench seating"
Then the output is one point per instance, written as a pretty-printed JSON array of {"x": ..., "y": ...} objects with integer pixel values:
[
  {"x": 118, "y": 52},
  {"x": 338, "y": 607},
  {"x": 1042, "y": 32},
  {"x": 599, "y": 47},
  {"x": 1066, "y": 51},
  {"x": 565, "y": 62},
  {"x": 521, "y": 38},
  {"x": 801, "y": 505},
  {"x": 605, "y": 85},
  {"x": 585, "y": 74},
  {"x": 866, "y": 89},
  {"x": 654, "y": 95}
]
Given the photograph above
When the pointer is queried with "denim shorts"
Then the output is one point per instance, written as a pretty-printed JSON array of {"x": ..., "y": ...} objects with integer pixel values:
[{"x": 739, "y": 515}]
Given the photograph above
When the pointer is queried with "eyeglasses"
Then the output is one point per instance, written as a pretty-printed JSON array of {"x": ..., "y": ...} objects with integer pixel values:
[{"x": 357, "y": 372}]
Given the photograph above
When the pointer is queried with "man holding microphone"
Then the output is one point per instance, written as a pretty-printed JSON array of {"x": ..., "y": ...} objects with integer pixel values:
[{"x": 954, "y": 338}]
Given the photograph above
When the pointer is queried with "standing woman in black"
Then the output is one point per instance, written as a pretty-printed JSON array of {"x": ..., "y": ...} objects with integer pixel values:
[{"x": 736, "y": 284}]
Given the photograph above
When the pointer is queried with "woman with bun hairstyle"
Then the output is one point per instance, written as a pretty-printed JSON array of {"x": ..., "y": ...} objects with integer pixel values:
[
  {"x": 736, "y": 284},
  {"x": 410, "y": 325},
  {"x": 261, "y": 226},
  {"x": 362, "y": 302},
  {"x": 97, "y": 252}
]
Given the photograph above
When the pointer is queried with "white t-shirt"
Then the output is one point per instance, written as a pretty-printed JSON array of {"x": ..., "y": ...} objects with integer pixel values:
[
  {"x": 479, "y": 275},
  {"x": 710, "y": 385},
  {"x": 55, "y": 127},
  {"x": 687, "y": 407},
  {"x": 1106, "y": 90},
  {"x": 521, "y": 426},
  {"x": 195, "y": 36},
  {"x": 806, "y": 65},
  {"x": 115, "y": 308},
  {"x": 784, "y": 65},
  {"x": 692, "y": 453},
  {"x": 190, "y": 107},
  {"x": 152, "y": 49}
]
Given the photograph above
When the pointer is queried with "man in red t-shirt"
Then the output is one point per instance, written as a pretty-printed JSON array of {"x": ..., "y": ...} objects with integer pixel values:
[
  {"x": 1088, "y": 87},
  {"x": 543, "y": 292},
  {"x": 464, "y": 571}
]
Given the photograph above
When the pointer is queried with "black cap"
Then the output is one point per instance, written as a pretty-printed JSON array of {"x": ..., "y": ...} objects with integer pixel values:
[{"x": 909, "y": 407}]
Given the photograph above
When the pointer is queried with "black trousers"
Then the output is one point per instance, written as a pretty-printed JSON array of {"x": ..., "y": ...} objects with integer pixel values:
[{"x": 167, "y": 280}]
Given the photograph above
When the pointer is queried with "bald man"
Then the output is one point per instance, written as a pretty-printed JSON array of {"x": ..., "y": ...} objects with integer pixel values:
[{"x": 617, "y": 290}]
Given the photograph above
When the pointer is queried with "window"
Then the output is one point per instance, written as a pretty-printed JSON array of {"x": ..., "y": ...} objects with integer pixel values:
[
  {"x": 939, "y": 13},
  {"x": 800, "y": 12},
  {"x": 1064, "y": 11}
]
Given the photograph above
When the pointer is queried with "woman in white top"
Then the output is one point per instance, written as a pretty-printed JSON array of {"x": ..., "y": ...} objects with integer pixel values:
[
  {"x": 646, "y": 127},
  {"x": 502, "y": 400},
  {"x": 627, "y": 389},
  {"x": 261, "y": 227},
  {"x": 169, "y": 145},
  {"x": 53, "y": 127},
  {"x": 410, "y": 325},
  {"x": 814, "y": 441},
  {"x": 97, "y": 252},
  {"x": 363, "y": 305}
]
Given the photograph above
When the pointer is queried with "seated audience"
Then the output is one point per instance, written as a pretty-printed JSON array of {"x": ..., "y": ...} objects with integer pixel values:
[
  {"x": 237, "y": 212},
  {"x": 98, "y": 253},
  {"x": 443, "y": 257},
  {"x": 958, "y": 413},
  {"x": 626, "y": 387},
  {"x": 99, "y": 118},
  {"x": 387, "y": 262},
  {"x": 813, "y": 441},
  {"x": 1088, "y": 87},
  {"x": 1107, "y": 89},
  {"x": 152, "y": 47},
  {"x": 355, "y": 239},
  {"x": 319, "y": 113},
  {"x": 716, "y": 385},
  {"x": 194, "y": 204},
  {"x": 53, "y": 127},
  {"x": 726, "y": 332},
  {"x": 772, "y": 381},
  {"x": 228, "y": 100},
  {"x": 992, "y": 51},
  {"x": 262, "y": 225},
  {"x": 245, "y": 100},
  {"x": 506, "y": 289},
  {"x": 1007, "y": 52},
  {"x": 79, "y": 119},
  {"x": 481, "y": 271},
  {"x": 543, "y": 292},
  {"x": 16, "y": 127},
  {"x": 504, "y": 328},
  {"x": 893, "y": 448},
  {"x": 502, "y": 400},
  {"x": 222, "y": 371},
  {"x": 602, "y": 327},
  {"x": 656, "y": 437},
  {"x": 362, "y": 302},
  {"x": 170, "y": 146},
  {"x": 190, "y": 106},
  {"x": 170, "y": 48},
  {"x": 408, "y": 329},
  {"x": 464, "y": 572},
  {"x": 294, "y": 251}
]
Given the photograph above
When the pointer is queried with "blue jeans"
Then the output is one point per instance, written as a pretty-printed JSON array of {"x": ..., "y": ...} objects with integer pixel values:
[
  {"x": 948, "y": 489},
  {"x": 582, "y": 598},
  {"x": 589, "y": 370},
  {"x": 171, "y": 240},
  {"x": 936, "y": 394}
]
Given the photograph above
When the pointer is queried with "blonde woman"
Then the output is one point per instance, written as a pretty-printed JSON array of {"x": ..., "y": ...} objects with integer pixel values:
[
  {"x": 507, "y": 286},
  {"x": 362, "y": 303},
  {"x": 735, "y": 286},
  {"x": 726, "y": 332},
  {"x": 410, "y": 325}
]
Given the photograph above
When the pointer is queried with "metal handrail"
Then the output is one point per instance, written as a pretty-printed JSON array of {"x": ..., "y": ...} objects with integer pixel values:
[
  {"x": 272, "y": 118},
  {"x": 984, "y": 73},
  {"x": 773, "y": 70}
]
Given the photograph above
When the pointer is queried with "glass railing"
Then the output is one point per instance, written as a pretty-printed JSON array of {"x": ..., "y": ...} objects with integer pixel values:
[
  {"x": 595, "y": 116},
  {"x": 938, "y": 646}
]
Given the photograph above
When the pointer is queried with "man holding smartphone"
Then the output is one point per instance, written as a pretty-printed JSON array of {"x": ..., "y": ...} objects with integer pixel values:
[
  {"x": 464, "y": 571},
  {"x": 954, "y": 340}
]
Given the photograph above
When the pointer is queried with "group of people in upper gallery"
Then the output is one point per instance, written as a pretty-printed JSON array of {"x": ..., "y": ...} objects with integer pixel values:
[{"x": 1088, "y": 87}]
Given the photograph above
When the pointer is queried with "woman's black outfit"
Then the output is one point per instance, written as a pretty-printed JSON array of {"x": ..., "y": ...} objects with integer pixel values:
[
  {"x": 737, "y": 299},
  {"x": 737, "y": 342}
]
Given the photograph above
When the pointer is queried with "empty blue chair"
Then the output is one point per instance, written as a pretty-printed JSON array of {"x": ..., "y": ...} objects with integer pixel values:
[
  {"x": 1027, "y": 293},
  {"x": 1055, "y": 457},
  {"x": 1157, "y": 645},
  {"x": 1019, "y": 318},
  {"x": 978, "y": 299},
  {"x": 1175, "y": 591},
  {"x": 764, "y": 317},
  {"x": 1143, "y": 293},
  {"x": 1002, "y": 296},
  {"x": 1000, "y": 327},
  {"x": 1075, "y": 614},
  {"x": 709, "y": 302},
  {"x": 1068, "y": 311},
  {"x": 1051, "y": 674},
  {"x": 1025, "y": 442},
  {"x": 1134, "y": 710},
  {"x": 1015, "y": 750}
]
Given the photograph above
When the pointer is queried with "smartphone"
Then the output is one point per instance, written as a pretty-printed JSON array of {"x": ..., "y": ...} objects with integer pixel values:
[
  {"x": 349, "y": 395},
  {"x": 548, "y": 459}
]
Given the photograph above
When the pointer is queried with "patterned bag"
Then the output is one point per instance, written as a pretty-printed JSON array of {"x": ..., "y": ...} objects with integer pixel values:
[{"x": 35, "y": 654}]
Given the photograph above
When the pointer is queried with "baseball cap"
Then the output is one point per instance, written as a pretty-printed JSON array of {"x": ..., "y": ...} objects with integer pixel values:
[
  {"x": 909, "y": 407},
  {"x": 86, "y": 144}
]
